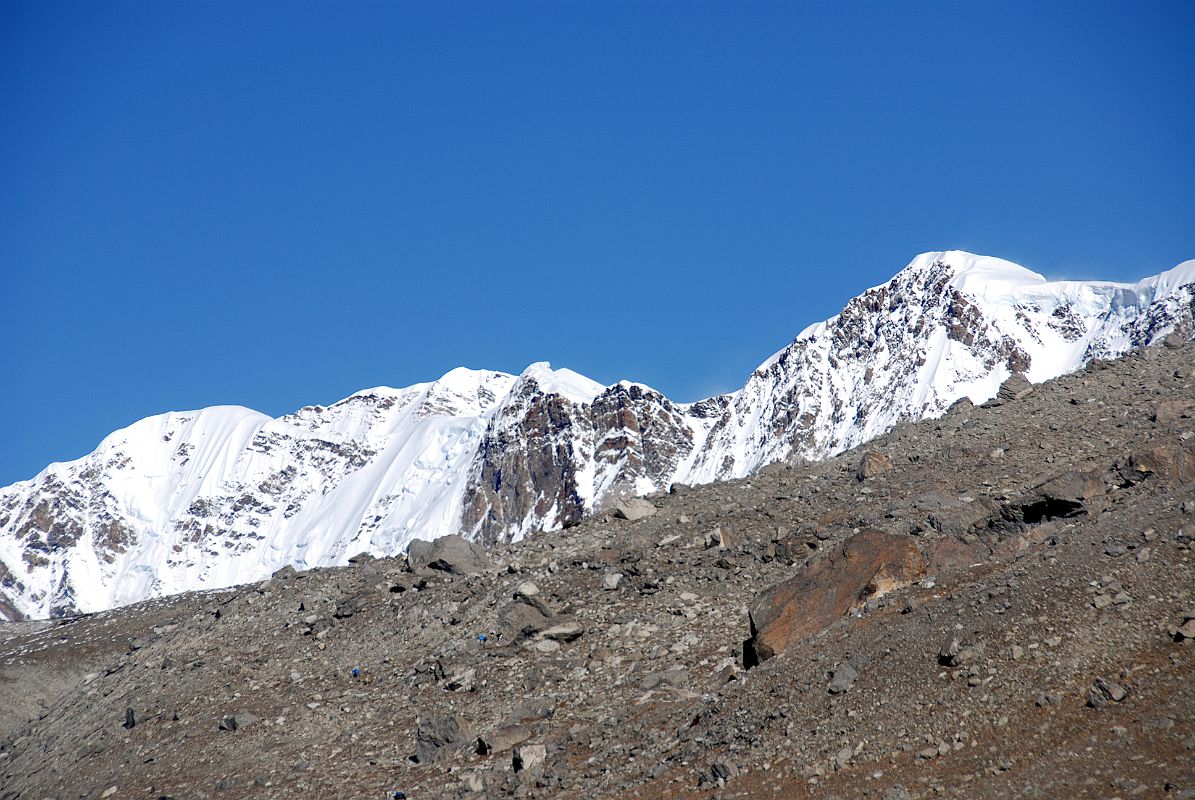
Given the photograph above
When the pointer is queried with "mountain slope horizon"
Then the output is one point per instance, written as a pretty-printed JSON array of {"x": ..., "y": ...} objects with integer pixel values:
[{"x": 225, "y": 494}]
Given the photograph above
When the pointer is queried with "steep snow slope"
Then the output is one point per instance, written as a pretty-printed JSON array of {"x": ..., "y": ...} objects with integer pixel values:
[
  {"x": 226, "y": 495},
  {"x": 949, "y": 325}
]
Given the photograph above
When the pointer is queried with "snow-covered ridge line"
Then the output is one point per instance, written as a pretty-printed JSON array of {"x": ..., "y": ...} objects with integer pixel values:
[{"x": 225, "y": 495}]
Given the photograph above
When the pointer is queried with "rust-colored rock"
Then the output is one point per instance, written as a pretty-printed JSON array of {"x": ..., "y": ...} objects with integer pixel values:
[
  {"x": 869, "y": 564},
  {"x": 1175, "y": 465}
]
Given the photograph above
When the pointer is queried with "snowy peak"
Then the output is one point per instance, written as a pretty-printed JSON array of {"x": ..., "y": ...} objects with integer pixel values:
[
  {"x": 572, "y": 386},
  {"x": 226, "y": 495},
  {"x": 980, "y": 276}
]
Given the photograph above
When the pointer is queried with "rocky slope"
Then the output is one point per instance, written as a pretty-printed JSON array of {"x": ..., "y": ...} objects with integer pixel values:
[
  {"x": 211, "y": 498},
  {"x": 994, "y": 604}
]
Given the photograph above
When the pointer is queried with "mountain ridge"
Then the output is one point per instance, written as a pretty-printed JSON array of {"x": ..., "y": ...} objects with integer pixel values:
[{"x": 225, "y": 494}]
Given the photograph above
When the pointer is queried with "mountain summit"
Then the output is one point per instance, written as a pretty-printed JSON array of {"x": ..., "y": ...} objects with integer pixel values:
[{"x": 226, "y": 495}]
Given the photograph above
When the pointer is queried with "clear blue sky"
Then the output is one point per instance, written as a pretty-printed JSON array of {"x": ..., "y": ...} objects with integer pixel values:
[{"x": 277, "y": 204}]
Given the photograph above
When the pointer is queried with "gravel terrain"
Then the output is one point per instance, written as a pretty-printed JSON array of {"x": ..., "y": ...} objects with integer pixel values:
[{"x": 998, "y": 603}]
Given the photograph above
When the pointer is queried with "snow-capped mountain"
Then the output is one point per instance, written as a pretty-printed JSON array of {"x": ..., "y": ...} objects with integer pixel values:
[{"x": 225, "y": 495}]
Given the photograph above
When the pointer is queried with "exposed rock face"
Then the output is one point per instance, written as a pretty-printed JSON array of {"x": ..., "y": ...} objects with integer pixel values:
[
  {"x": 867, "y": 565},
  {"x": 209, "y": 498}
]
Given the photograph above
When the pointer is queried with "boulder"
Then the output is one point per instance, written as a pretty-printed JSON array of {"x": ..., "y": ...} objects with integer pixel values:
[
  {"x": 521, "y": 620},
  {"x": 564, "y": 632},
  {"x": 872, "y": 464},
  {"x": 843, "y": 678},
  {"x": 1015, "y": 387},
  {"x": 1173, "y": 464},
  {"x": 452, "y": 554},
  {"x": 867, "y": 565},
  {"x": 502, "y": 740},
  {"x": 529, "y": 757},
  {"x": 435, "y": 734},
  {"x": 241, "y": 719},
  {"x": 633, "y": 509},
  {"x": 454, "y": 677}
]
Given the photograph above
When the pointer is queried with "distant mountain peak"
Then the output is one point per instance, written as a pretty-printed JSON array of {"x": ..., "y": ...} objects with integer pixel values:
[{"x": 225, "y": 495}]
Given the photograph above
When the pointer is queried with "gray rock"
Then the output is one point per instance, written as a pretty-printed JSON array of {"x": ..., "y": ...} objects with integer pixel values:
[
  {"x": 241, "y": 719},
  {"x": 1015, "y": 387},
  {"x": 452, "y": 554},
  {"x": 1103, "y": 690},
  {"x": 564, "y": 631},
  {"x": 521, "y": 620},
  {"x": 435, "y": 734},
  {"x": 843, "y": 679},
  {"x": 634, "y": 509},
  {"x": 954, "y": 654},
  {"x": 529, "y": 757},
  {"x": 502, "y": 740},
  {"x": 611, "y": 580},
  {"x": 459, "y": 677},
  {"x": 669, "y": 677}
]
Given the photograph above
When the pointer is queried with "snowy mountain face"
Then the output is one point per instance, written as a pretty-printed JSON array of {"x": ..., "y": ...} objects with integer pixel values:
[{"x": 226, "y": 495}]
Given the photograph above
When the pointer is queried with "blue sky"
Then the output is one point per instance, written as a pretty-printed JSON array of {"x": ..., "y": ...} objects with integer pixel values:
[{"x": 277, "y": 204}]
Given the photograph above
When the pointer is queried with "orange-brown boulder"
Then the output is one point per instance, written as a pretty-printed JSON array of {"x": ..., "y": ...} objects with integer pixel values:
[
  {"x": 1174, "y": 464},
  {"x": 869, "y": 564}
]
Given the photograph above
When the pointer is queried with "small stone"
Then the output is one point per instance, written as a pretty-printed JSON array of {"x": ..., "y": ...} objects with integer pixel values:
[
  {"x": 1103, "y": 690},
  {"x": 1017, "y": 652},
  {"x": 611, "y": 581},
  {"x": 239, "y": 720},
  {"x": 111, "y": 790},
  {"x": 1114, "y": 550},
  {"x": 527, "y": 589},
  {"x": 843, "y": 757},
  {"x": 1102, "y": 600}
]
